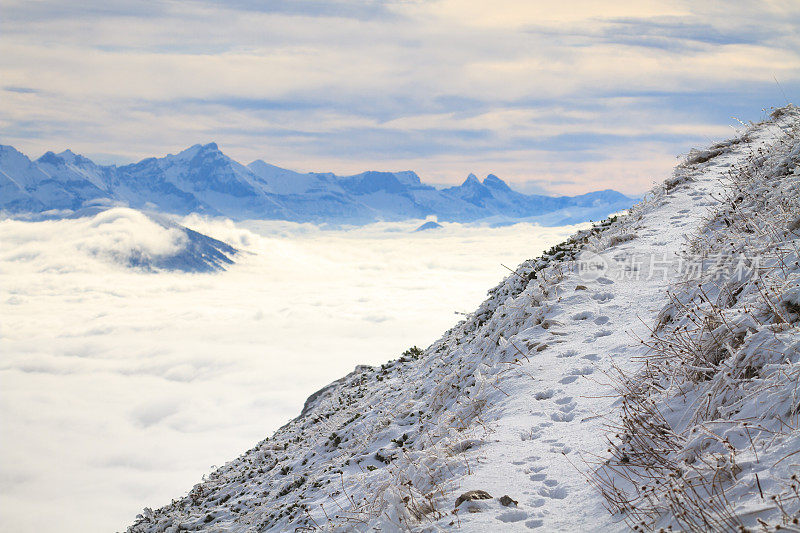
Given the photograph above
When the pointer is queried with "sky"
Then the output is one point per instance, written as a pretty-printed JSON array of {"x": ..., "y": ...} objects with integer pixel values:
[
  {"x": 121, "y": 389},
  {"x": 561, "y": 97}
]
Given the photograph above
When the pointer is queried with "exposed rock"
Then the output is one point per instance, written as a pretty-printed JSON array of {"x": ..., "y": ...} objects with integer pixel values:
[
  {"x": 507, "y": 501},
  {"x": 472, "y": 495}
]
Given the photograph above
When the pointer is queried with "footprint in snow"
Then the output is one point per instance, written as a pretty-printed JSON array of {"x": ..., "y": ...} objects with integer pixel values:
[
  {"x": 535, "y": 432},
  {"x": 535, "y": 469},
  {"x": 603, "y": 296},
  {"x": 583, "y": 371},
  {"x": 533, "y": 524},
  {"x": 512, "y": 515},
  {"x": 544, "y": 395},
  {"x": 601, "y": 320},
  {"x": 533, "y": 435},
  {"x": 583, "y": 315},
  {"x": 604, "y": 280},
  {"x": 603, "y": 333},
  {"x": 591, "y": 357},
  {"x": 568, "y": 353},
  {"x": 567, "y": 380},
  {"x": 556, "y": 493},
  {"x": 559, "y": 416},
  {"x": 538, "y": 502}
]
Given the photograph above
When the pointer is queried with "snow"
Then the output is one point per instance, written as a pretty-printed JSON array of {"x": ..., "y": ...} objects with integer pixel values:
[
  {"x": 721, "y": 398},
  {"x": 523, "y": 397},
  {"x": 283, "y": 181}
]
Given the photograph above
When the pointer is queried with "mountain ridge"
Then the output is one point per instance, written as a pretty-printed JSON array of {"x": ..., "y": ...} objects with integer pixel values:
[{"x": 202, "y": 179}]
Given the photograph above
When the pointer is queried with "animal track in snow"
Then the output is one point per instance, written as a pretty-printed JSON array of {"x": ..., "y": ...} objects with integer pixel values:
[
  {"x": 604, "y": 280},
  {"x": 583, "y": 315},
  {"x": 567, "y": 380},
  {"x": 591, "y": 357},
  {"x": 568, "y": 353},
  {"x": 601, "y": 320},
  {"x": 603, "y": 333}
]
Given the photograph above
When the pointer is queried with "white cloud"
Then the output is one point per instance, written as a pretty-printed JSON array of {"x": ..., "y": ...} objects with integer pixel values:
[{"x": 114, "y": 237}]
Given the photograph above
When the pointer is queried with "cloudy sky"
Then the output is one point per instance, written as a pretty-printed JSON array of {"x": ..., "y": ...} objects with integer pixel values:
[{"x": 565, "y": 97}]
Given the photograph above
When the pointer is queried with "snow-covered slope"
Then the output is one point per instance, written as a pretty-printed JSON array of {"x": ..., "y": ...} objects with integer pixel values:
[
  {"x": 710, "y": 437},
  {"x": 504, "y": 423},
  {"x": 282, "y": 181}
]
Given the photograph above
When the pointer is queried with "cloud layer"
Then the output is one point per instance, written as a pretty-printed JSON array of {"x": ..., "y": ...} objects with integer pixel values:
[
  {"x": 120, "y": 389},
  {"x": 596, "y": 95}
]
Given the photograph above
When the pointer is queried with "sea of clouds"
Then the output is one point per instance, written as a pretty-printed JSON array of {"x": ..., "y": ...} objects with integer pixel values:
[{"x": 120, "y": 388}]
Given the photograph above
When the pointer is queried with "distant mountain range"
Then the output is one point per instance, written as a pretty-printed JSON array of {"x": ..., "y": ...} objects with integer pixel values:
[{"x": 202, "y": 179}]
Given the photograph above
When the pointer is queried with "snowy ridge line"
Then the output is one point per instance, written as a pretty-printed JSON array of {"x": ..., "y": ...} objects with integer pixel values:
[
  {"x": 503, "y": 402},
  {"x": 560, "y": 397},
  {"x": 710, "y": 436}
]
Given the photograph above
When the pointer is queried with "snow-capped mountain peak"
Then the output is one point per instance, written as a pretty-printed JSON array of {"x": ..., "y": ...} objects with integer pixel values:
[
  {"x": 472, "y": 180},
  {"x": 495, "y": 183},
  {"x": 203, "y": 179}
]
